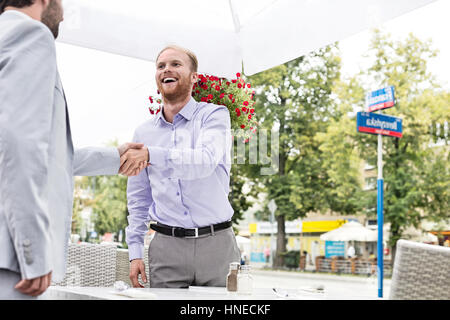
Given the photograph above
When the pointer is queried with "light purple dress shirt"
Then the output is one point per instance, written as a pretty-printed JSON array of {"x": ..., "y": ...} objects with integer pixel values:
[{"x": 188, "y": 182}]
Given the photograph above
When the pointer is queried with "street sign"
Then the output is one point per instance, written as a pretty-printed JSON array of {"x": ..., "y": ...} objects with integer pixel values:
[
  {"x": 334, "y": 248},
  {"x": 380, "y": 99},
  {"x": 374, "y": 123}
]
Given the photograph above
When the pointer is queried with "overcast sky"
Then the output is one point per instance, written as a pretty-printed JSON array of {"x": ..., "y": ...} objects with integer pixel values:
[{"x": 108, "y": 94}]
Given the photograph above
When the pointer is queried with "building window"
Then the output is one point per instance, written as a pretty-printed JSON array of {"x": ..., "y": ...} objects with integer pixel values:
[{"x": 370, "y": 183}]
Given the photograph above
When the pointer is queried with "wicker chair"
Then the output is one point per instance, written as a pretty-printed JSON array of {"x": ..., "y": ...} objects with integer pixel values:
[
  {"x": 421, "y": 272},
  {"x": 95, "y": 265}
]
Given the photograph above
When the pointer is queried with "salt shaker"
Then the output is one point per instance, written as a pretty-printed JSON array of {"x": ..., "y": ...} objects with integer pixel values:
[
  {"x": 232, "y": 277},
  {"x": 244, "y": 280}
]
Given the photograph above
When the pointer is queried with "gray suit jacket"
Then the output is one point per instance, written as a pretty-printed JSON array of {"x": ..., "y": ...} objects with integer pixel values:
[{"x": 37, "y": 159}]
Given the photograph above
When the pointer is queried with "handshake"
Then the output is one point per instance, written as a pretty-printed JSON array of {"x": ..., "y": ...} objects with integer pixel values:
[{"x": 134, "y": 158}]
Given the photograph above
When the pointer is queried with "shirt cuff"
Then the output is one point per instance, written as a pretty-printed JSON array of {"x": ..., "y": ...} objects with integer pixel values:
[
  {"x": 135, "y": 251},
  {"x": 157, "y": 155}
]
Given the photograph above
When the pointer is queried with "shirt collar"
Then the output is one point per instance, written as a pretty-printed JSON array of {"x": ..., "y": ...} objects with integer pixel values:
[
  {"x": 17, "y": 13},
  {"x": 187, "y": 111}
]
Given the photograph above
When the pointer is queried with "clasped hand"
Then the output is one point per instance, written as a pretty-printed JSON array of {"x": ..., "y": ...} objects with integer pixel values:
[{"x": 133, "y": 158}]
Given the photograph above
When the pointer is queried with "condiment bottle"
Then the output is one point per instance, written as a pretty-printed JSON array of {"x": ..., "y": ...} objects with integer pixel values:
[
  {"x": 244, "y": 280},
  {"x": 232, "y": 277}
]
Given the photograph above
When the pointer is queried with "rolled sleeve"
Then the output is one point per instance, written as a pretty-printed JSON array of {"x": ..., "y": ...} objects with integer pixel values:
[{"x": 158, "y": 156}]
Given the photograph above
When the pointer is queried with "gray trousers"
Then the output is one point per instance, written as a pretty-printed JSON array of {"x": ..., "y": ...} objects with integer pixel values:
[
  {"x": 8, "y": 280},
  {"x": 183, "y": 262}
]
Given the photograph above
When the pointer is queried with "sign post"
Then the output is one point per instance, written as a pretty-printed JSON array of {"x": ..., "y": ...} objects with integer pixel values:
[
  {"x": 380, "y": 217},
  {"x": 382, "y": 125},
  {"x": 272, "y": 207}
]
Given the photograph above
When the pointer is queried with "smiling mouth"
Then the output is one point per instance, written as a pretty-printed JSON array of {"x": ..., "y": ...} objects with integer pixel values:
[{"x": 169, "y": 80}]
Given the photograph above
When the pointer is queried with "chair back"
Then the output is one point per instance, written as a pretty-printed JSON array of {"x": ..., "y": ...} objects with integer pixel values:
[
  {"x": 90, "y": 265},
  {"x": 421, "y": 272}
]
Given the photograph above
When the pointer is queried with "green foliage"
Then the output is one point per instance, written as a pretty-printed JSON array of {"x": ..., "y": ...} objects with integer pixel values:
[
  {"x": 295, "y": 99},
  {"x": 110, "y": 206}
]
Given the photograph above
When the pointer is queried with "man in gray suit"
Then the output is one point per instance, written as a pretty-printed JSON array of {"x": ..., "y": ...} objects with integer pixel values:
[{"x": 37, "y": 159}]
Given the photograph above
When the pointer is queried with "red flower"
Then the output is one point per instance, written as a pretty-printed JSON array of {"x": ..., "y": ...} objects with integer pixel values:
[
  {"x": 151, "y": 111},
  {"x": 203, "y": 99},
  {"x": 210, "y": 96},
  {"x": 217, "y": 88},
  {"x": 230, "y": 96},
  {"x": 204, "y": 87},
  {"x": 245, "y": 103},
  {"x": 243, "y": 126},
  {"x": 249, "y": 86},
  {"x": 151, "y": 99},
  {"x": 238, "y": 75},
  {"x": 234, "y": 81},
  {"x": 249, "y": 117},
  {"x": 244, "y": 109},
  {"x": 228, "y": 83},
  {"x": 222, "y": 95},
  {"x": 239, "y": 85},
  {"x": 157, "y": 111}
]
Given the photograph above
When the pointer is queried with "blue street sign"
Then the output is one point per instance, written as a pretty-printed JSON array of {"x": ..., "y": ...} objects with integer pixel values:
[
  {"x": 380, "y": 99},
  {"x": 374, "y": 123},
  {"x": 334, "y": 248}
]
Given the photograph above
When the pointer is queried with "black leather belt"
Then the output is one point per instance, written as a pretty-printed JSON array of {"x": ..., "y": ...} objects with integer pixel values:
[{"x": 189, "y": 233}]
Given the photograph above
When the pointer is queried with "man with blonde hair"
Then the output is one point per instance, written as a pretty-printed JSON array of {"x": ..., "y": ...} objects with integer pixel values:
[{"x": 185, "y": 189}]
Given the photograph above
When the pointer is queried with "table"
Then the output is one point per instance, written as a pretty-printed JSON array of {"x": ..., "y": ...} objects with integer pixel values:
[{"x": 191, "y": 293}]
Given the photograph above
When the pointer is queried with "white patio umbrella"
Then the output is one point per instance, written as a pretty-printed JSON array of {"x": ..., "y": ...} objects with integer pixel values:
[
  {"x": 351, "y": 231},
  {"x": 242, "y": 240},
  {"x": 225, "y": 34}
]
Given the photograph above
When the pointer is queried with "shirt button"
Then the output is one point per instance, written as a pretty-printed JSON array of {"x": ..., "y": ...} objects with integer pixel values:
[
  {"x": 178, "y": 193},
  {"x": 185, "y": 213}
]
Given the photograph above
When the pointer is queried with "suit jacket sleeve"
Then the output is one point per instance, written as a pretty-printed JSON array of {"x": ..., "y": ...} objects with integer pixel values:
[
  {"x": 96, "y": 161},
  {"x": 27, "y": 82}
]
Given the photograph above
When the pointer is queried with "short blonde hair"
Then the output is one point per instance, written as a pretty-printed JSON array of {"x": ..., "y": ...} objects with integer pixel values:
[{"x": 189, "y": 53}]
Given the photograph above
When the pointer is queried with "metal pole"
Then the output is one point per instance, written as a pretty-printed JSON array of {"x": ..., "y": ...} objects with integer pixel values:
[
  {"x": 272, "y": 218},
  {"x": 380, "y": 216}
]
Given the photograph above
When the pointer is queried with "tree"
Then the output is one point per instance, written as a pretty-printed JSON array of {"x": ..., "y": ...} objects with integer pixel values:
[
  {"x": 295, "y": 99},
  {"x": 110, "y": 204},
  {"x": 81, "y": 200}
]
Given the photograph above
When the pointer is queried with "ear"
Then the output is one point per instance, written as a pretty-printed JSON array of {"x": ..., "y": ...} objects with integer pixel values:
[
  {"x": 194, "y": 77},
  {"x": 45, "y": 3}
]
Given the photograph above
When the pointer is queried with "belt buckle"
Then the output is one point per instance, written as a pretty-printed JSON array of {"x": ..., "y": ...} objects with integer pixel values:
[{"x": 194, "y": 236}]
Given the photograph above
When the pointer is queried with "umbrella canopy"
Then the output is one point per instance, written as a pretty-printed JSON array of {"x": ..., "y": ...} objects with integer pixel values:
[
  {"x": 242, "y": 240},
  {"x": 419, "y": 236},
  {"x": 225, "y": 34},
  {"x": 351, "y": 231}
]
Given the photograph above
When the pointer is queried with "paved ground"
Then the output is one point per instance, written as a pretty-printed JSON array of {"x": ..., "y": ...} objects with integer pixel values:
[{"x": 343, "y": 286}]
